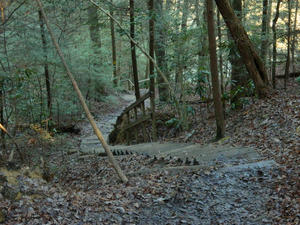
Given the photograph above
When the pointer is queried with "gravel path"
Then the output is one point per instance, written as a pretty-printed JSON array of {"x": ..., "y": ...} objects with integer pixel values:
[{"x": 216, "y": 198}]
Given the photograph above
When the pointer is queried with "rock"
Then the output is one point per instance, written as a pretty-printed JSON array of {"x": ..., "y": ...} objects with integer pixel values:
[
  {"x": 10, "y": 192},
  {"x": 195, "y": 162},
  {"x": 2, "y": 216},
  {"x": 298, "y": 130},
  {"x": 187, "y": 161},
  {"x": 3, "y": 178}
]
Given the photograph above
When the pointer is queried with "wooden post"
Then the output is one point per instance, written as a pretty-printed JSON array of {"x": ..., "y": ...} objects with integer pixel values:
[
  {"x": 144, "y": 127},
  {"x": 127, "y": 132},
  {"x": 136, "y": 128}
]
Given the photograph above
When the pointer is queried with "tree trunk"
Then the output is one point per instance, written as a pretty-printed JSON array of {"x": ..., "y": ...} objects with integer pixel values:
[
  {"x": 220, "y": 122},
  {"x": 264, "y": 42},
  {"x": 160, "y": 50},
  {"x": 202, "y": 49},
  {"x": 7, "y": 70},
  {"x": 151, "y": 67},
  {"x": 2, "y": 15},
  {"x": 288, "y": 57},
  {"x": 94, "y": 27},
  {"x": 221, "y": 61},
  {"x": 247, "y": 51},
  {"x": 113, "y": 48},
  {"x": 198, "y": 28},
  {"x": 275, "y": 43},
  {"x": 119, "y": 47},
  {"x": 238, "y": 70},
  {"x": 133, "y": 52},
  {"x": 220, "y": 53},
  {"x": 294, "y": 37},
  {"x": 3, "y": 144},
  {"x": 46, "y": 68},
  {"x": 269, "y": 51},
  {"x": 168, "y": 4},
  {"x": 180, "y": 48},
  {"x": 160, "y": 73}
]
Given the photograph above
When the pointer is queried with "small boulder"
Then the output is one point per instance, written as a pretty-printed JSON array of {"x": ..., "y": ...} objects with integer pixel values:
[
  {"x": 2, "y": 216},
  {"x": 11, "y": 192},
  {"x": 3, "y": 178}
]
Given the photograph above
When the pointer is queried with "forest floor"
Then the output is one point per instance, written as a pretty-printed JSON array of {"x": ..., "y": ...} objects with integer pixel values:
[{"x": 86, "y": 190}]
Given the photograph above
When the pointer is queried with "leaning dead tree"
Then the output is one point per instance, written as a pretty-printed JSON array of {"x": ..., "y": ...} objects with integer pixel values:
[
  {"x": 82, "y": 101},
  {"x": 251, "y": 59}
]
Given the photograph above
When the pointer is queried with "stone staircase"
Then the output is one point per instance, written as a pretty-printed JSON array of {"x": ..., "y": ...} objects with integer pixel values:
[{"x": 188, "y": 154}]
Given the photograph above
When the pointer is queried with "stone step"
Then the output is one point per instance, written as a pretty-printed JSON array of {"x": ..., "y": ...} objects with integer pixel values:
[
  {"x": 258, "y": 166},
  {"x": 208, "y": 154},
  {"x": 265, "y": 164}
]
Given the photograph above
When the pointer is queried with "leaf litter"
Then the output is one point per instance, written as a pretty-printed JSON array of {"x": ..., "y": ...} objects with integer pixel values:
[{"x": 87, "y": 191}]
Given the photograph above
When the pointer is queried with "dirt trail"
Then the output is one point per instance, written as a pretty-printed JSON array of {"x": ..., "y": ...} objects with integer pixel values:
[
  {"x": 235, "y": 187},
  {"x": 106, "y": 121}
]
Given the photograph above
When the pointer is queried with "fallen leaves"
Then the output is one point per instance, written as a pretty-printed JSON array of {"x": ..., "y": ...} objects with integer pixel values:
[
  {"x": 271, "y": 126},
  {"x": 87, "y": 191}
]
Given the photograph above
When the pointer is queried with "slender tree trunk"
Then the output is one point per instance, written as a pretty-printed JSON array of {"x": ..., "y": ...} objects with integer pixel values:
[
  {"x": 2, "y": 94},
  {"x": 151, "y": 67},
  {"x": 119, "y": 47},
  {"x": 41, "y": 99},
  {"x": 199, "y": 43},
  {"x": 202, "y": 48},
  {"x": 264, "y": 42},
  {"x": 275, "y": 43},
  {"x": 177, "y": 53},
  {"x": 46, "y": 68},
  {"x": 247, "y": 51},
  {"x": 160, "y": 73},
  {"x": 2, "y": 14},
  {"x": 94, "y": 27},
  {"x": 269, "y": 52},
  {"x": 288, "y": 57},
  {"x": 2, "y": 84},
  {"x": 133, "y": 52},
  {"x": 2, "y": 121},
  {"x": 147, "y": 70},
  {"x": 221, "y": 61},
  {"x": 83, "y": 103},
  {"x": 220, "y": 122},
  {"x": 180, "y": 48},
  {"x": 113, "y": 48},
  {"x": 244, "y": 11},
  {"x": 239, "y": 74},
  {"x": 294, "y": 37},
  {"x": 220, "y": 53},
  {"x": 160, "y": 49}
]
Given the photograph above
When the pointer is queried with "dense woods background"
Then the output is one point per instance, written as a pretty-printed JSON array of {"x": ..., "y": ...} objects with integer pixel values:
[
  {"x": 232, "y": 62},
  {"x": 34, "y": 88}
]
